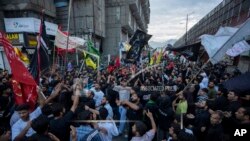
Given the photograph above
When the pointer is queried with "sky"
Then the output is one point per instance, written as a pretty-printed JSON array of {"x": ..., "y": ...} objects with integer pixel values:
[{"x": 168, "y": 17}]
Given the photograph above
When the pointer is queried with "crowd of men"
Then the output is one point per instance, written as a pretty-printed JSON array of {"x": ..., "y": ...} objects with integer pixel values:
[{"x": 165, "y": 103}]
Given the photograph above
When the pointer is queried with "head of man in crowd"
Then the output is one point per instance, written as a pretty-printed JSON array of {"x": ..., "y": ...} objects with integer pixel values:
[
  {"x": 211, "y": 84},
  {"x": 40, "y": 124},
  {"x": 123, "y": 82},
  {"x": 23, "y": 111},
  {"x": 103, "y": 113},
  {"x": 104, "y": 100},
  {"x": 243, "y": 114},
  {"x": 90, "y": 94},
  {"x": 203, "y": 91},
  {"x": 139, "y": 128},
  {"x": 216, "y": 118},
  {"x": 135, "y": 98},
  {"x": 179, "y": 80},
  {"x": 232, "y": 96},
  {"x": 58, "y": 110},
  {"x": 97, "y": 86}
]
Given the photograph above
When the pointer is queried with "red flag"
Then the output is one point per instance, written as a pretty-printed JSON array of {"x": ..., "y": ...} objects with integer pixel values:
[
  {"x": 117, "y": 62},
  {"x": 23, "y": 83}
]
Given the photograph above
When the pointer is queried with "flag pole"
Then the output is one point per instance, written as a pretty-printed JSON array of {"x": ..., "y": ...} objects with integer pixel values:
[
  {"x": 54, "y": 53},
  {"x": 68, "y": 26},
  {"x": 189, "y": 84}
]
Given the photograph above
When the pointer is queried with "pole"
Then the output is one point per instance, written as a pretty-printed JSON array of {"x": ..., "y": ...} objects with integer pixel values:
[
  {"x": 54, "y": 53},
  {"x": 186, "y": 37},
  {"x": 68, "y": 26},
  {"x": 93, "y": 8}
]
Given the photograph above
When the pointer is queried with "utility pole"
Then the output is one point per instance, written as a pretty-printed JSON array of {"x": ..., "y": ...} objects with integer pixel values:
[
  {"x": 93, "y": 8},
  {"x": 186, "y": 37},
  {"x": 66, "y": 57}
]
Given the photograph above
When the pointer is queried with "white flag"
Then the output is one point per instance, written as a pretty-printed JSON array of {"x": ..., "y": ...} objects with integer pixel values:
[
  {"x": 61, "y": 41},
  {"x": 238, "y": 48},
  {"x": 213, "y": 43}
]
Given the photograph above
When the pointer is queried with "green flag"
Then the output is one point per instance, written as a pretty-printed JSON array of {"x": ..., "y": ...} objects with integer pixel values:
[
  {"x": 149, "y": 56},
  {"x": 92, "y": 49}
]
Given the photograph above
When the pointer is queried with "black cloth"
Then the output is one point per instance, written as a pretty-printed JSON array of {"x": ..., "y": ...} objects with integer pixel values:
[
  {"x": 37, "y": 137},
  {"x": 165, "y": 118},
  {"x": 233, "y": 106},
  {"x": 152, "y": 107},
  {"x": 220, "y": 103},
  {"x": 239, "y": 83},
  {"x": 215, "y": 133},
  {"x": 112, "y": 95},
  {"x": 135, "y": 114},
  {"x": 231, "y": 124},
  {"x": 87, "y": 101},
  {"x": 60, "y": 127}
]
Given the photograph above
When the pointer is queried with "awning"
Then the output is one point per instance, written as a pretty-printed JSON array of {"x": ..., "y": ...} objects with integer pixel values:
[{"x": 189, "y": 51}]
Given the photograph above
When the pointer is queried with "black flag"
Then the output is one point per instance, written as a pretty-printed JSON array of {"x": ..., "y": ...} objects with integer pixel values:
[
  {"x": 137, "y": 42},
  {"x": 40, "y": 59}
]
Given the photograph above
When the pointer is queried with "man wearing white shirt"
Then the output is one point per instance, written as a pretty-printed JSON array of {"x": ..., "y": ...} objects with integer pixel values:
[
  {"x": 98, "y": 95},
  {"x": 22, "y": 127},
  {"x": 204, "y": 82},
  {"x": 109, "y": 125},
  {"x": 124, "y": 94}
]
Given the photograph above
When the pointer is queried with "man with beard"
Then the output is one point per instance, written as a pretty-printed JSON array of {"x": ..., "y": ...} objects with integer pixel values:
[
  {"x": 61, "y": 120},
  {"x": 139, "y": 130},
  {"x": 124, "y": 95},
  {"x": 211, "y": 90},
  {"x": 98, "y": 94},
  {"x": 239, "y": 120},
  {"x": 135, "y": 110},
  {"x": 215, "y": 130},
  {"x": 104, "y": 104},
  {"x": 22, "y": 128}
]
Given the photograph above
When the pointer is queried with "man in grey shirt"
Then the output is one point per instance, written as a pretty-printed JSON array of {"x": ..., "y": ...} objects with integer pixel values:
[{"x": 124, "y": 94}]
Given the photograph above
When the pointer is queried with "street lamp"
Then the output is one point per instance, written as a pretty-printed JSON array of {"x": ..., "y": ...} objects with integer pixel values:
[{"x": 186, "y": 38}]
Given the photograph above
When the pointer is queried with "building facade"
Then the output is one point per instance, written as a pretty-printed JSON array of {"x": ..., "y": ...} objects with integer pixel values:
[
  {"x": 87, "y": 19},
  {"x": 230, "y": 13},
  {"x": 20, "y": 19},
  {"x": 106, "y": 22},
  {"x": 123, "y": 18},
  {"x": 227, "y": 13}
]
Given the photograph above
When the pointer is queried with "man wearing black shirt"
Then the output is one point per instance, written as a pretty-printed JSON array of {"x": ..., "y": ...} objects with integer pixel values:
[
  {"x": 134, "y": 112},
  {"x": 59, "y": 126}
]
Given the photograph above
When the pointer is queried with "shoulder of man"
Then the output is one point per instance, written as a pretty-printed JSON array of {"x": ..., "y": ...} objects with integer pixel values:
[{"x": 93, "y": 136}]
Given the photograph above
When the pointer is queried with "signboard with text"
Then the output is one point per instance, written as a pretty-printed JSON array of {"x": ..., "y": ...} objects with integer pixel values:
[
  {"x": 30, "y": 25},
  {"x": 15, "y": 38}
]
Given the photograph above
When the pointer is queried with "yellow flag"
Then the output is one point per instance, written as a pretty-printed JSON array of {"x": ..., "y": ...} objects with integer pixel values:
[
  {"x": 22, "y": 56},
  {"x": 127, "y": 46},
  {"x": 151, "y": 60},
  {"x": 90, "y": 63},
  {"x": 158, "y": 60}
]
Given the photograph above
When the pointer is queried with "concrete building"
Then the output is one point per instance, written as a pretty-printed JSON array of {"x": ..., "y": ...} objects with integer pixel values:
[
  {"x": 20, "y": 19},
  {"x": 231, "y": 13},
  {"x": 123, "y": 17},
  {"x": 106, "y": 22},
  {"x": 87, "y": 18}
]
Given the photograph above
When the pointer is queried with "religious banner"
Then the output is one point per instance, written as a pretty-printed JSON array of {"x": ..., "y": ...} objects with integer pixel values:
[
  {"x": 61, "y": 41},
  {"x": 238, "y": 48}
]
